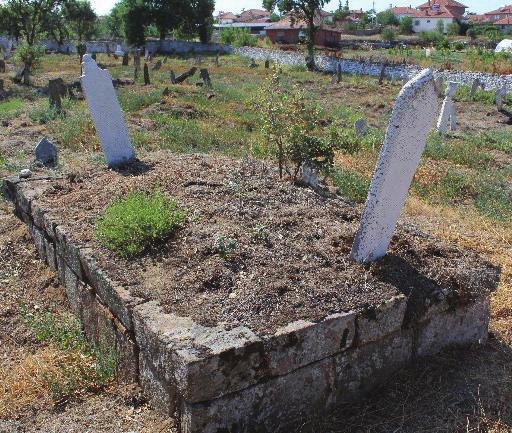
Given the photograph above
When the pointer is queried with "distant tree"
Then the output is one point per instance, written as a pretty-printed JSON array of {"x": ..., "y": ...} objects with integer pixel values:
[
  {"x": 305, "y": 10},
  {"x": 387, "y": 18},
  {"x": 453, "y": 29},
  {"x": 405, "y": 26},
  {"x": 9, "y": 25},
  {"x": 388, "y": 34},
  {"x": 30, "y": 16},
  {"x": 135, "y": 20},
  {"x": 114, "y": 22},
  {"x": 347, "y": 7},
  {"x": 81, "y": 18},
  {"x": 203, "y": 18},
  {"x": 440, "y": 27}
]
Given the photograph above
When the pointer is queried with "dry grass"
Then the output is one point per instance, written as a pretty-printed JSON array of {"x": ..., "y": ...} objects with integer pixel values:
[{"x": 32, "y": 377}]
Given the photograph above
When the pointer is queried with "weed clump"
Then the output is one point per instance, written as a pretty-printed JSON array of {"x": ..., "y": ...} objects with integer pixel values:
[{"x": 132, "y": 224}]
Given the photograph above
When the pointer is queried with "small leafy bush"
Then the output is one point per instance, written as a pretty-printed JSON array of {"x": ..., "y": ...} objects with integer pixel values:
[
  {"x": 388, "y": 34},
  {"x": 132, "y": 224},
  {"x": 224, "y": 246},
  {"x": 238, "y": 37},
  {"x": 351, "y": 184}
]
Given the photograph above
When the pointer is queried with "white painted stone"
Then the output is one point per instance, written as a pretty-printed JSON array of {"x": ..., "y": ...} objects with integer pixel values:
[
  {"x": 447, "y": 117},
  {"x": 119, "y": 51},
  {"x": 106, "y": 113},
  {"x": 500, "y": 94},
  {"x": 406, "y": 137}
]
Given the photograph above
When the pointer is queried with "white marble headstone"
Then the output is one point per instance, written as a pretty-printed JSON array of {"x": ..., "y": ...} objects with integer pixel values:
[
  {"x": 500, "y": 94},
  {"x": 119, "y": 51},
  {"x": 106, "y": 113},
  {"x": 447, "y": 117},
  {"x": 406, "y": 136}
]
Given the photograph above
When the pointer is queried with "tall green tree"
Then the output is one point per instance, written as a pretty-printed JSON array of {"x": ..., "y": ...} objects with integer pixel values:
[
  {"x": 81, "y": 18},
  {"x": 203, "y": 17},
  {"x": 31, "y": 17},
  {"x": 305, "y": 10}
]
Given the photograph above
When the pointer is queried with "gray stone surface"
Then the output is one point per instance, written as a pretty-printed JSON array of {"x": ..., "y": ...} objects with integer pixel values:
[
  {"x": 46, "y": 153},
  {"x": 106, "y": 113},
  {"x": 406, "y": 136},
  {"x": 25, "y": 173},
  {"x": 361, "y": 127}
]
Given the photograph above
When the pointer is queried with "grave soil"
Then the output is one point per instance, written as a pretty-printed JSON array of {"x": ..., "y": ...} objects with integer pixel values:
[{"x": 298, "y": 268}]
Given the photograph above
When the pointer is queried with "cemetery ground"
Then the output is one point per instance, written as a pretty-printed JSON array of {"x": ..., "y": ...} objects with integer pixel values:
[{"x": 462, "y": 193}]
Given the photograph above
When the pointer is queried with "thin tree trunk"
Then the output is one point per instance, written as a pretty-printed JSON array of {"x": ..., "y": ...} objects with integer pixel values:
[{"x": 310, "y": 59}]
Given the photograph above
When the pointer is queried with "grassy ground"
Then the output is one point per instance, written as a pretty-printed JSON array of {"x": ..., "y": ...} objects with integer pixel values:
[{"x": 462, "y": 191}]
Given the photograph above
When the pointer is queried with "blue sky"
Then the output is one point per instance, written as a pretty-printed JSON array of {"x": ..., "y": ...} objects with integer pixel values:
[{"x": 103, "y": 6}]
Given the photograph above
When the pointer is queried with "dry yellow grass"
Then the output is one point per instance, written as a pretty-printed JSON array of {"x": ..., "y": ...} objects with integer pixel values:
[{"x": 26, "y": 383}]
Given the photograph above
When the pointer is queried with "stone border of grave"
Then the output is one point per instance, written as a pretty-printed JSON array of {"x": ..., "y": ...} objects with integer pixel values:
[
  {"x": 213, "y": 378},
  {"x": 356, "y": 67}
]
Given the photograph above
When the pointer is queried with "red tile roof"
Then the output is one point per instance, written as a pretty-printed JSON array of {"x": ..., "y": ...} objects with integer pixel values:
[
  {"x": 503, "y": 10},
  {"x": 478, "y": 18},
  {"x": 448, "y": 3},
  {"x": 507, "y": 21},
  {"x": 399, "y": 10},
  {"x": 253, "y": 14}
]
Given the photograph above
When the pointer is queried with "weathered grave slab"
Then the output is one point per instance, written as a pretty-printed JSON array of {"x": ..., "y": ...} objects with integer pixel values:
[
  {"x": 46, "y": 153},
  {"x": 406, "y": 137},
  {"x": 106, "y": 113}
]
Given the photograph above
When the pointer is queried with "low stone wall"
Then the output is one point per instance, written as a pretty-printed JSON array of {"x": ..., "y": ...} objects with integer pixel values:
[
  {"x": 356, "y": 67},
  {"x": 215, "y": 379}
]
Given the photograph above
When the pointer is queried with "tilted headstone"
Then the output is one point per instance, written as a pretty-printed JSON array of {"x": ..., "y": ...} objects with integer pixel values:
[
  {"x": 205, "y": 76},
  {"x": 253, "y": 64},
  {"x": 2, "y": 66},
  {"x": 361, "y": 127},
  {"x": 190, "y": 73},
  {"x": 106, "y": 113},
  {"x": 146, "y": 55},
  {"x": 217, "y": 59},
  {"x": 20, "y": 74},
  {"x": 173, "y": 77},
  {"x": 334, "y": 79},
  {"x": 56, "y": 90},
  {"x": 157, "y": 66},
  {"x": 439, "y": 83},
  {"x": 474, "y": 87},
  {"x": 147, "y": 81},
  {"x": 406, "y": 136},
  {"x": 126, "y": 59},
  {"x": 267, "y": 64},
  {"x": 500, "y": 95},
  {"x": 447, "y": 117},
  {"x": 382, "y": 74},
  {"x": 339, "y": 73},
  {"x": 108, "y": 50},
  {"x": 46, "y": 153}
]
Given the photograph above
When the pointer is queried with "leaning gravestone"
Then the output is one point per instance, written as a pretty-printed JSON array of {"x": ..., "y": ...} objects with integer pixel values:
[
  {"x": 361, "y": 127},
  {"x": 46, "y": 153},
  {"x": 119, "y": 51},
  {"x": 447, "y": 117},
  {"x": 147, "y": 81},
  {"x": 217, "y": 59},
  {"x": 406, "y": 137},
  {"x": 267, "y": 64},
  {"x": 190, "y": 73},
  {"x": 439, "y": 83},
  {"x": 173, "y": 77},
  {"x": 56, "y": 90},
  {"x": 474, "y": 87},
  {"x": 126, "y": 59},
  {"x": 2, "y": 66},
  {"x": 106, "y": 113},
  {"x": 339, "y": 74},
  {"x": 205, "y": 76},
  {"x": 382, "y": 74},
  {"x": 500, "y": 95}
]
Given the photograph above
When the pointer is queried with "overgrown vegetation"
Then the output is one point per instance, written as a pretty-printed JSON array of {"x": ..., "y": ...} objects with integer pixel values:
[
  {"x": 98, "y": 363},
  {"x": 131, "y": 224}
]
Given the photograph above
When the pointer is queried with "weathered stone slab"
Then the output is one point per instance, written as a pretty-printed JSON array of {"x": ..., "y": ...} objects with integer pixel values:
[
  {"x": 410, "y": 122},
  {"x": 106, "y": 113},
  {"x": 447, "y": 117},
  {"x": 46, "y": 152}
]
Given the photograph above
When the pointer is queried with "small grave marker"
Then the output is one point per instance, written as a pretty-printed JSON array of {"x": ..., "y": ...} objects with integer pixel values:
[
  {"x": 339, "y": 73},
  {"x": 106, "y": 113},
  {"x": 173, "y": 77},
  {"x": 147, "y": 81},
  {"x": 126, "y": 59},
  {"x": 46, "y": 153},
  {"x": 205, "y": 76},
  {"x": 447, "y": 117},
  {"x": 2, "y": 66},
  {"x": 406, "y": 137},
  {"x": 267, "y": 64},
  {"x": 474, "y": 87},
  {"x": 361, "y": 127},
  {"x": 500, "y": 95},
  {"x": 253, "y": 64},
  {"x": 190, "y": 73},
  {"x": 56, "y": 90}
]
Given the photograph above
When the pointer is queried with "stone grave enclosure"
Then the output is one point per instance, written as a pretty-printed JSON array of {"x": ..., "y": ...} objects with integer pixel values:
[{"x": 219, "y": 379}]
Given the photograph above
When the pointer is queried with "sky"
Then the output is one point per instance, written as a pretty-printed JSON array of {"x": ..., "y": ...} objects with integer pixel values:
[{"x": 102, "y": 7}]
